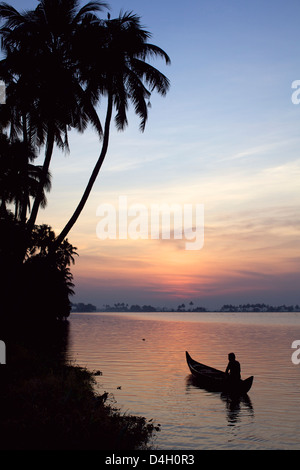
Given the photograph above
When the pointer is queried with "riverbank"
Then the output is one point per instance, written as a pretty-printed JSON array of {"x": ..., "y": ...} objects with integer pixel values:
[{"x": 58, "y": 408}]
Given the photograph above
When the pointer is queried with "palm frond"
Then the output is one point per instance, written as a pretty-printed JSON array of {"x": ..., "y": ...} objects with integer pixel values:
[
  {"x": 150, "y": 50},
  {"x": 90, "y": 7},
  {"x": 156, "y": 80},
  {"x": 138, "y": 96}
]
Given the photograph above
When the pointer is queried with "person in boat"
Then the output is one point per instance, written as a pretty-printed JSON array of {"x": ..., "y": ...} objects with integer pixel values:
[{"x": 233, "y": 369}]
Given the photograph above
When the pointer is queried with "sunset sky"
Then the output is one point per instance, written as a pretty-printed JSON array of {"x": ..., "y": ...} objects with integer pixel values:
[{"x": 227, "y": 136}]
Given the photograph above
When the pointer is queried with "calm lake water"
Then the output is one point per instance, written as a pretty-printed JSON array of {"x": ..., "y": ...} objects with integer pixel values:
[{"x": 142, "y": 359}]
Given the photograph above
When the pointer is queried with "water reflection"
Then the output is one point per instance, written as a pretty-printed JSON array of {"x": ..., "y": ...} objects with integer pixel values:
[
  {"x": 236, "y": 406},
  {"x": 153, "y": 374}
]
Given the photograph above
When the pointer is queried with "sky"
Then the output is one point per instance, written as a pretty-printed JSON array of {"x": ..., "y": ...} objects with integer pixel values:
[{"x": 226, "y": 138}]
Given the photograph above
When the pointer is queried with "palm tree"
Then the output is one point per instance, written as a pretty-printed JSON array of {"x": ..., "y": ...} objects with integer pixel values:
[
  {"x": 41, "y": 241},
  {"x": 45, "y": 75},
  {"x": 19, "y": 179},
  {"x": 49, "y": 273},
  {"x": 120, "y": 72}
]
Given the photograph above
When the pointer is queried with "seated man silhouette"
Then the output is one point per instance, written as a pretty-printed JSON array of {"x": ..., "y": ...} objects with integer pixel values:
[{"x": 233, "y": 369}]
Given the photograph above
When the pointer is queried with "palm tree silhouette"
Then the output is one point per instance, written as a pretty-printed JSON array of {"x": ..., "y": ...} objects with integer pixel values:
[
  {"x": 44, "y": 75},
  {"x": 60, "y": 59},
  {"x": 120, "y": 72},
  {"x": 19, "y": 179}
]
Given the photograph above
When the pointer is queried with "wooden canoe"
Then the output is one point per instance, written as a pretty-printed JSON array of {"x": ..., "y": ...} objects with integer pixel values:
[{"x": 216, "y": 380}]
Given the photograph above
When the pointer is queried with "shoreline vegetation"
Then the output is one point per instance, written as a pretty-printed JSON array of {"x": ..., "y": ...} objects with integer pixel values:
[
  {"x": 50, "y": 404},
  {"x": 185, "y": 308}
]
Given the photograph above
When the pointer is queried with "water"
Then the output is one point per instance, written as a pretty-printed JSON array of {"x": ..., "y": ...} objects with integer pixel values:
[{"x": 142, "y": 359}]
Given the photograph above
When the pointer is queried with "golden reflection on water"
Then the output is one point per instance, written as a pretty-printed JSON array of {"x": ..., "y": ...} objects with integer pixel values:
[{"x": 142, "y": 359}]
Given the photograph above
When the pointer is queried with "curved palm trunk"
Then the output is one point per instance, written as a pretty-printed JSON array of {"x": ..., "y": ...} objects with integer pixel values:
[
  {"x": 92, "y": 179},
  {"x": 24, "y": 207},
  {"x": 45, "y": 170}
]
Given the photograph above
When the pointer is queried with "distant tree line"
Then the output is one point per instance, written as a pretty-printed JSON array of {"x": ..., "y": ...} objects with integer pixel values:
[
  {"x": 259, "y": 308},
  {"x": 125, "y": 307},
  {"x": 122, "y": 307},
  {"x": 81, "y": 307}
]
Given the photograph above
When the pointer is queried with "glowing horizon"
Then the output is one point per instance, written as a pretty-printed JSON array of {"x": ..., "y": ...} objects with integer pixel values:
[{"x": 226, "y": 136}]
